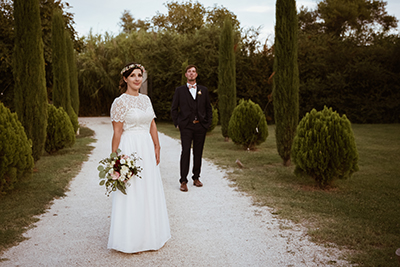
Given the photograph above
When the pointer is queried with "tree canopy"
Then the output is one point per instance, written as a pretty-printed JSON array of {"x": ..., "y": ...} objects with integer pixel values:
[
  {"x": 343, "y": 18},
  {"x": 188, "y": 17},
  {"x": 128, "y": 23}
]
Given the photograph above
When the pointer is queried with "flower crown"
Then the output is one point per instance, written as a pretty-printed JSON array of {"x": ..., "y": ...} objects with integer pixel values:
[{"x": 133, "y": 66}]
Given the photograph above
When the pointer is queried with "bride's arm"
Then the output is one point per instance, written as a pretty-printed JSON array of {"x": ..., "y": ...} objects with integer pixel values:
[
  {"x": 154, "y": 136},
  {"x": 117, "y": 127}
]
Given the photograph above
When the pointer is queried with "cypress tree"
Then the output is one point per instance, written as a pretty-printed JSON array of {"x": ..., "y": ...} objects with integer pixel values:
[
  {"x": 226, "y": 76},
  {"x": 61, "y": 86},
  {"x": 73, "y": 73},
  {"x": 286, "y": 78},
  {"x": 61, "y": 74},
  {"x": 30, "y": 94}
]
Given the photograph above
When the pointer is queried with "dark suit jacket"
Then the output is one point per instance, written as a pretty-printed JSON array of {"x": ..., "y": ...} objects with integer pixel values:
[{"x": 183, "y": 109}]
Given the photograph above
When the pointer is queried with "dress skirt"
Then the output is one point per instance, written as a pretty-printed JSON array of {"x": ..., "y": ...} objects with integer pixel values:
[{"x": 139, "y": 220}]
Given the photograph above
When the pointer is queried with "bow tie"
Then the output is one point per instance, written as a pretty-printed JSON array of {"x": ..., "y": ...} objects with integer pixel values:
[{"x": 192, "y": 86}]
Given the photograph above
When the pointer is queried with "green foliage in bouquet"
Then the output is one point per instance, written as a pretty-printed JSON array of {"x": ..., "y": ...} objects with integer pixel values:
[
  {"x": 324, "y": 147},
  {"x": 248, "y": 126},
  {"x": 214, "y": 119},
  {"x": 16, "y": 157},
  {"x": 60, "y": 132},
  {"x": 116, "y": 171}
]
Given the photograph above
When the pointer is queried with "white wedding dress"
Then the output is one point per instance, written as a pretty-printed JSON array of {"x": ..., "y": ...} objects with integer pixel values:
[{"x": 139, "y": 219}]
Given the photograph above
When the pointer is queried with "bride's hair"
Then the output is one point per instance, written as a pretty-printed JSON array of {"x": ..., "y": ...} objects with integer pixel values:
[{"x": 125, "y": 72}]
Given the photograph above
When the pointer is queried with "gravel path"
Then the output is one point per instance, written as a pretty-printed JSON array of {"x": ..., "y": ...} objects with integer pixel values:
[{"x": 211, "y": 226}]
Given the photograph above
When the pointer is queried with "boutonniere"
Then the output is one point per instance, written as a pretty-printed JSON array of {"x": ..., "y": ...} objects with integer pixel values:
[{"x": 199, "y": 92}]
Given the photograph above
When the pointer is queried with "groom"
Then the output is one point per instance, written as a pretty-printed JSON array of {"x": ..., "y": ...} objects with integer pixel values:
[{"x": 192, "y": 115}]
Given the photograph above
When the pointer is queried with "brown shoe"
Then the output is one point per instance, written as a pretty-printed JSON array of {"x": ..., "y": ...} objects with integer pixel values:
[
  {"x": 197, "y": 183},
  {"x": 184, "y": 187}
]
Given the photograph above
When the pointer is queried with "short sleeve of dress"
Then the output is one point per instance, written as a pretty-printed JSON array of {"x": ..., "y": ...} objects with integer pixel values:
[
  {"x": 118, "y": 110},
  {"x": 151, "y": 106}
]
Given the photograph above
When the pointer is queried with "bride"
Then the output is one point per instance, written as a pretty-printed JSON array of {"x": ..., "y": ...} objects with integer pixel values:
[{"x": 139, "y": 219}]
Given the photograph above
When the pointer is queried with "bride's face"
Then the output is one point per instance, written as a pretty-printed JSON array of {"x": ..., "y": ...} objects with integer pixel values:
[{"x": 134, "y": 80}]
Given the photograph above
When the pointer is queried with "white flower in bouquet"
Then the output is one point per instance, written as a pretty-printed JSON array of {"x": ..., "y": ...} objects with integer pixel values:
[
  {"x": 124, "y": 170},
  {"x": 122, "y": 161},
  {"x": 130, "y": 163}
]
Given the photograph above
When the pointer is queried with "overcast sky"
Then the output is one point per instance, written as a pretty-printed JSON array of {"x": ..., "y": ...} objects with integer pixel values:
[{"x": 104, "y": 15}]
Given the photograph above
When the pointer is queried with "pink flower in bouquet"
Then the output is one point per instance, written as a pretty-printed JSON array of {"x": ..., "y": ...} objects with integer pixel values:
[{"x": 115, "y": 175}]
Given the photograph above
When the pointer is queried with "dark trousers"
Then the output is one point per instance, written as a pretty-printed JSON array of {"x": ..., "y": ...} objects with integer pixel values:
[{"x": 195, "y": 133}]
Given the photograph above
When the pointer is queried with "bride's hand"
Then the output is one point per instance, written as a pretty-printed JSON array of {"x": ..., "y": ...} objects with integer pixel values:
[
  {"x": 157, "y": 152},
  {"x": 154, "y": 136}
]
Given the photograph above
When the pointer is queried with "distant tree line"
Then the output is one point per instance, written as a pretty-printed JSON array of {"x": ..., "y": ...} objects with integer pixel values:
[
  {"x": 348, "y": 58},
  {"x": 163, "y": 50}
]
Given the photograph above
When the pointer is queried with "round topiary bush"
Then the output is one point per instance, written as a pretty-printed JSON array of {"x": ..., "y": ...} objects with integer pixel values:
[
  {"x": 16, "y": 158},
  {"x": 324, "y": 147},
  {"x": 247, "y": 125},
  {"x": 60, "y": 132},
  {"x": 74, "y": 120},
  {"x": 214, "y": 119}
]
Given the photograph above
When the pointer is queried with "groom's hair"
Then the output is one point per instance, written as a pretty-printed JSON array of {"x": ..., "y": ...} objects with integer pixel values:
[{"x": 189, "y": 67}]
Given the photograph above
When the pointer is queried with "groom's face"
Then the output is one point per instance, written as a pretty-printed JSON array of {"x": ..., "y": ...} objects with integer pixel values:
[{"x": 191, "y": 74}]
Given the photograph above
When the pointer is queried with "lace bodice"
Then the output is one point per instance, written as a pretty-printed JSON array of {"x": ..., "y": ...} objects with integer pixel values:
[{"x": 135, "y": 111}]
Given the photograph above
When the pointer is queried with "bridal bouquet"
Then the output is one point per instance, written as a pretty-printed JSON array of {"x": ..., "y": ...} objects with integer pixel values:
[{"x": 116, "y": 171}]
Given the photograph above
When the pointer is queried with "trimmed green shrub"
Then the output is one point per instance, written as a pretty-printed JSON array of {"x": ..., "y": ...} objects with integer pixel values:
[
  {"x": 214, "y": 119},
  {"x": 248, "y": 126},
  {"x": 74, "y": 119},
  {"x": 60, "y": 132},
  {"x": 324, "y": 147},
  {"x": 16, "y": 158}
]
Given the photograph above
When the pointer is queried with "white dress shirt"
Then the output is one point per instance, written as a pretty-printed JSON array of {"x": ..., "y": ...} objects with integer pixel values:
[{"x": 193, "y": 91}]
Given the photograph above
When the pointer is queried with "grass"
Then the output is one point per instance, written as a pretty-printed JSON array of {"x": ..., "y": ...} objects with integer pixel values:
[
  {"x": 360, "y": 214},
  {"x": 34, "y": 193}
]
